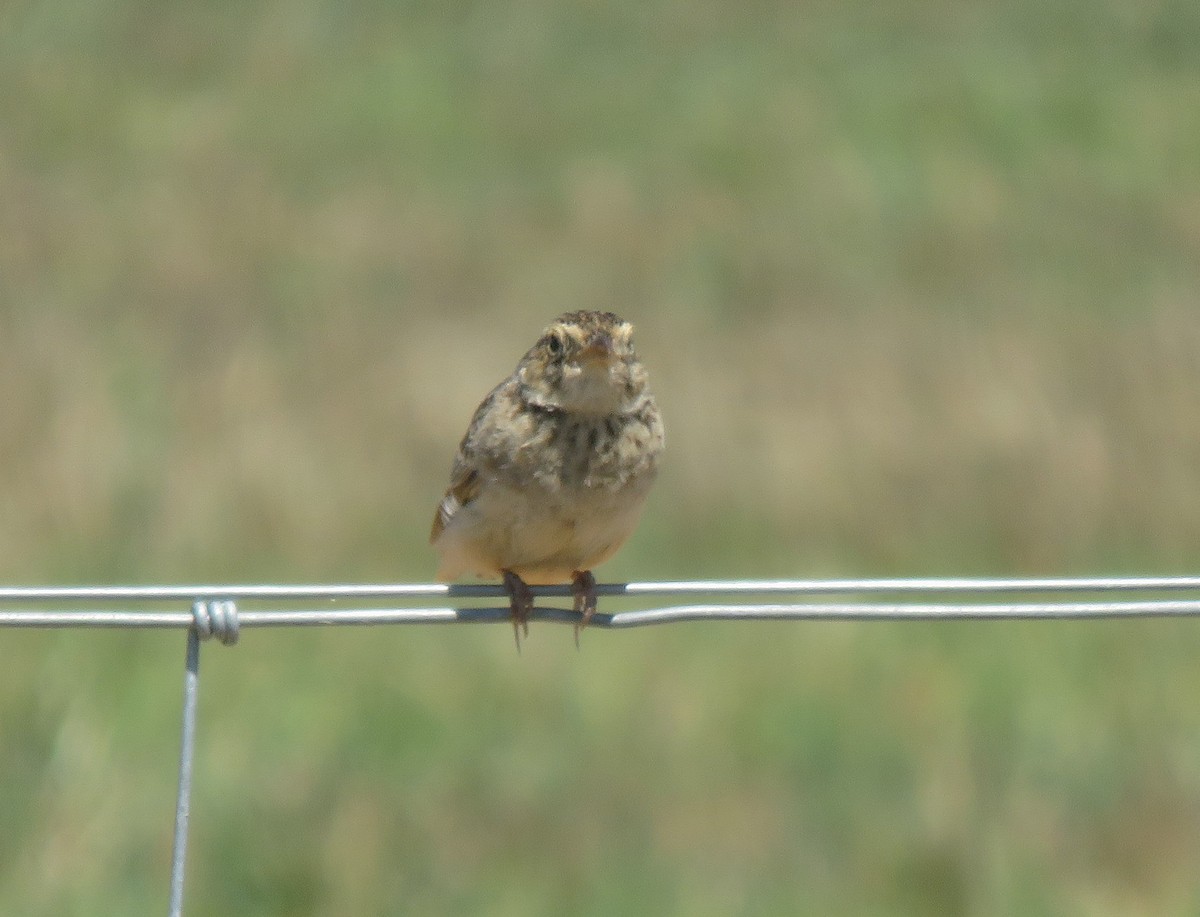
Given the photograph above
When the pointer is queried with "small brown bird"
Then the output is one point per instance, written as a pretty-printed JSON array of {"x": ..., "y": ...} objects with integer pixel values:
[{"x": 550, "y": 478}]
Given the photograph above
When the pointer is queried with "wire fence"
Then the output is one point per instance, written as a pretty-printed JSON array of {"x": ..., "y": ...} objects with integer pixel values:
[{"x": 222, "y": 611}]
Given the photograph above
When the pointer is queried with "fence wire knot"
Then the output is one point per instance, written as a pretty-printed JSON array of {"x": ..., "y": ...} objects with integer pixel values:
[{"x": 216, "y": 618}]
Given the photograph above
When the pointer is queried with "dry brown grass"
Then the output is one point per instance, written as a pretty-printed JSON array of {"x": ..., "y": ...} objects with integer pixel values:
[{"x": 894, "y": 439}]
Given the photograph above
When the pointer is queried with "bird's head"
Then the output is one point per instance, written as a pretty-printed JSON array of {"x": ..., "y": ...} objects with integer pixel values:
[{"x": 584, "y": 363}]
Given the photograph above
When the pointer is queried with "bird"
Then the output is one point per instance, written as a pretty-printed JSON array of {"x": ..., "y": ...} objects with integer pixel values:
[{"x": 553, "y": 471}]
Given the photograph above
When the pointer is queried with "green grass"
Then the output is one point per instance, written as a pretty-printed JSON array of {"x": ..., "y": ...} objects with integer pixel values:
[{"x": 917, "y": 287}]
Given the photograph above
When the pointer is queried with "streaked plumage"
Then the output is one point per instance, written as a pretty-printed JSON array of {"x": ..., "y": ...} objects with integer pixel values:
[{"x": 550, "y": 478}]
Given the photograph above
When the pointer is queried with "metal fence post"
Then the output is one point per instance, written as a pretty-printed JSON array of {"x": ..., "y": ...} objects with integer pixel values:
[
  {"x": 209, "y": 619},
  {"x": 187, "y": 748}
]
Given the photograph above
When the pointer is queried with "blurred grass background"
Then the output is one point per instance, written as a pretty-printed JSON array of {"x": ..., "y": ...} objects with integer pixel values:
[{"x": 918, "y": 287}]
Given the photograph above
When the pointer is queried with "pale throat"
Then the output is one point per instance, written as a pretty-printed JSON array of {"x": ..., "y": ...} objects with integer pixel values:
[{"x": 593, "y": 388}]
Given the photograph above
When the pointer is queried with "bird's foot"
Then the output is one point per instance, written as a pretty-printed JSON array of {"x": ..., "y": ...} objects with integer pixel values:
[
  {"x": 583, "y": 588},
  {"x": 521, "y": 601}
]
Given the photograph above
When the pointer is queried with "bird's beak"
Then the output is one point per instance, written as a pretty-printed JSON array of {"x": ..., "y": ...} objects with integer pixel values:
[{"x": 599, "y": 347}]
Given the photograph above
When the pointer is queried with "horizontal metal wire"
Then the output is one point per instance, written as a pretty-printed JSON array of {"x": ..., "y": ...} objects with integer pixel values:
[
  {"x": 909, "y": 599},
  {"x": 963, "y": 585}
]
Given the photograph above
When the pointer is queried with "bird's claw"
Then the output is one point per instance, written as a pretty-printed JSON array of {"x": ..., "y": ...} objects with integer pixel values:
[
  {"x": 521, "y": 603},
  {"x": 583, "y": 588}
]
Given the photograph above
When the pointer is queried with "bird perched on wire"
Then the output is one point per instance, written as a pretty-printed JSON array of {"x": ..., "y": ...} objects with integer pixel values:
[{"x": 550, "y": 478}]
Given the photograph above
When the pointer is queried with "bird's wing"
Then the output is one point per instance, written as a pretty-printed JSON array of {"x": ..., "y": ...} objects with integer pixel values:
[
  {"x": 465, "y": 480},
  {"x": 464, "y": 487}
]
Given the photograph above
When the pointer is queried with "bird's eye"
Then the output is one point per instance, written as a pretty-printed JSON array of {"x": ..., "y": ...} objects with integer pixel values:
[{"x": 555, "y": 345}]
